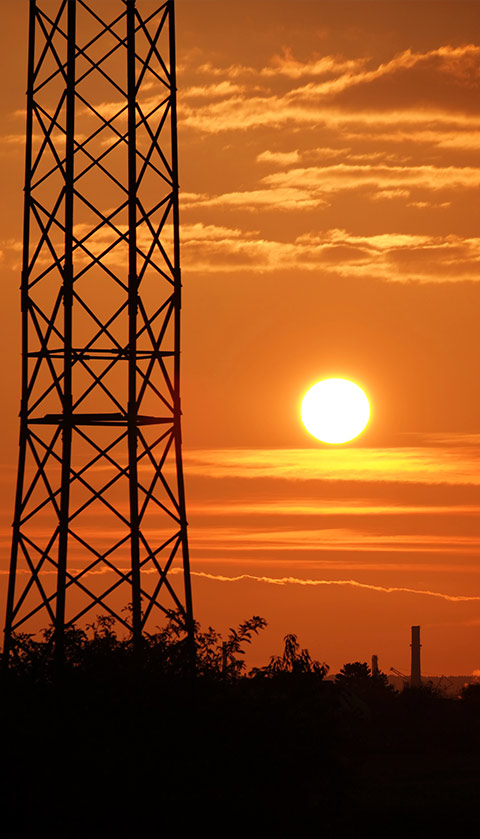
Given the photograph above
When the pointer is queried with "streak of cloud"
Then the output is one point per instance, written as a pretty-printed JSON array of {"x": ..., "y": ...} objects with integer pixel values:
[
  {"x": 279, "y": 158},
  {"x": 288, "y": 581},
  {"x": 428, "y": 465},
  {"x": 390, "y": 257},
  {"x": 332, "y": 539},
  {"x": 448, "y": 60},
  {"x": 287, "y": 65},
  {"x": 283, "y": 581},
  {"x": 341, "y": 176},
  {"x": 352, "y": 507}
]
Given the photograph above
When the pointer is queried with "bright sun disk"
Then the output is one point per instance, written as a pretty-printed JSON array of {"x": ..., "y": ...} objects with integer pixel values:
[{"x": 335, "y": 410}]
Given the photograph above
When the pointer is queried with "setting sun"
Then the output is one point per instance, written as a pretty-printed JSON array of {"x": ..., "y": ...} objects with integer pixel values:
[{"x": 335, "y": 411}]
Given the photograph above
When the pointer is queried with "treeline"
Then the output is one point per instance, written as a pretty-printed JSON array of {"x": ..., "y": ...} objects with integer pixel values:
[{"x": 128, "y": 744}]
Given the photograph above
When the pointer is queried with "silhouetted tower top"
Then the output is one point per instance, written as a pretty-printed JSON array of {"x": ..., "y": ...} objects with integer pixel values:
[{"x": 415, "y": 673}]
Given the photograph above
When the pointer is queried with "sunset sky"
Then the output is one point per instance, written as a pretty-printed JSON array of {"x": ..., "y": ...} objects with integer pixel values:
[{"x": 330, "y": 185}]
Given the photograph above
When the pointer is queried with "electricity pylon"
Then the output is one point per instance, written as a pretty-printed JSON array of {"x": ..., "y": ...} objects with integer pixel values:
[{"x": 100, "y": 509}]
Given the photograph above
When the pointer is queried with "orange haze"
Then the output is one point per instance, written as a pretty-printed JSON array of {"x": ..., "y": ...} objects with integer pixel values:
[{"x": 330, "y": 173}]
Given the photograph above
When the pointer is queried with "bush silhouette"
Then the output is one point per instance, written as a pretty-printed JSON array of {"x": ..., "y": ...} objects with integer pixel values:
[
  {"x": 294, "y": 660},
  {"x": 100, "y": 650}
]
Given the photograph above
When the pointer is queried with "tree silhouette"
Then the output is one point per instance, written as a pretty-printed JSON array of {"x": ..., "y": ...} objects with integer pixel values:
[
  {"x": 99, "y": 650},
  {"x": 356, "y": 678},
  {"x": 294, "y": 660},
  {"x": 353, "y": 673}
]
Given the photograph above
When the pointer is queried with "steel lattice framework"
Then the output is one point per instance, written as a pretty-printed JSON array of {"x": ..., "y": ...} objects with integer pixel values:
[{"x": 100, "y": 509}]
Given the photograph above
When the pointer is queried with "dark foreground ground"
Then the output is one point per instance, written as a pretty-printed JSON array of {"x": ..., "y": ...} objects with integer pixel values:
[{"x": 136, "y": 754}]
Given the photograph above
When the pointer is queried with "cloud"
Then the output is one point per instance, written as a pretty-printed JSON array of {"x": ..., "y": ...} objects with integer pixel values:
[
  {"x": 426, "y": 205},
  {"x": 350, "y": 507},
  {"x": 276, "y": 581},
  {"x": 461, "y": 64},
  {"x": 213, "y": 232},
  {"x": 279, "y": 158},
  {"x": 458, "y": 137},
  {"x": 212, "y": 91},
  {"x": 390, "y": 257},
  {"x": 281, "y": 198},
  {"x": 454, "y": 466},
  {"x": 245, "y": 112},
  {"x": 283, "y": 581},
  {"x": 10, "y": 253},
  {"x": 246, "y": 97},
  {"x": 287, "y": 65},
  {"x": 16, "y": 140},
  {"x": 227, "y": 539},
  {"x": 312, "y": 187},
  {"x": 393, "y": 194},
  {"x": 342, "y": 176},
  {"x": 459, "y": 438},
  {"x": 393, "y": 257},
  {"x": 294, "y": 109},
  {"x": 428, "y": 87}
]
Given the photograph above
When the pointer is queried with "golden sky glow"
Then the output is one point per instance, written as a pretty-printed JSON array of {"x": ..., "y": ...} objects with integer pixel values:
[{"x": 330, "y": 174}]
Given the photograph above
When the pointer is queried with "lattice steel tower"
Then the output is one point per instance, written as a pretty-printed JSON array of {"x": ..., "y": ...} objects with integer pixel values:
[{"x": 100, "y": 509}]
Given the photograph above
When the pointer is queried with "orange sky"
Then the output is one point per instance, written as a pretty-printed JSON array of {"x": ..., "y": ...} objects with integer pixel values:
[{"x": 330, "y": 173}]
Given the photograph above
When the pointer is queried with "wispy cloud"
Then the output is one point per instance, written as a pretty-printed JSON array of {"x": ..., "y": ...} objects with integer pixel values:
[
  {"x": 460, "y": 63},
  {"x": 327, "y": 508},
  {"x": 410, "y": 465},
  {"x": 246, "y": 112},
  {"x": 298, "y": 188},
  {"x": 212, "y": 91},
  {"x": 347, "y": 176},
  {"x": 299, "y": 581},
  {"x": 359, "y": 541},
  {"x": 285, "y": 64},
  {"x": 282, "y": 581},
  {"x": 396, "y": 257},
  {"x": 390, "y": 257},
  {"x": 279, "y": 158}
]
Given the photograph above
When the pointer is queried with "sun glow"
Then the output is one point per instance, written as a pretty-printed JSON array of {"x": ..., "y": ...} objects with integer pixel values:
[{"x": 335, "y": 411}]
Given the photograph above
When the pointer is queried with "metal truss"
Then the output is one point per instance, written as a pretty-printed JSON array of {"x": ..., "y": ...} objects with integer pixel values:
[{"x": 100, "y": 509}]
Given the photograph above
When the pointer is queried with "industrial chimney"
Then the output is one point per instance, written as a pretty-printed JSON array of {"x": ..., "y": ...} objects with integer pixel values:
[
  {"x": 374, "y": 665},
  {"x": 415, "y": 676}
]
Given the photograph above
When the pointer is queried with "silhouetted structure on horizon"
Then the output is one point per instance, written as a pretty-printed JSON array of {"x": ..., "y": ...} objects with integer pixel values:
[
  {"x": 100, "y": 508},
  {"x": 415, "y": 672}
]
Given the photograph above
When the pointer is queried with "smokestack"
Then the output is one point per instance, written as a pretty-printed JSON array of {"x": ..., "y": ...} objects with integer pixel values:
[
  {"x": 374, "y": 665},
  {"x": 416, "y": 676}
]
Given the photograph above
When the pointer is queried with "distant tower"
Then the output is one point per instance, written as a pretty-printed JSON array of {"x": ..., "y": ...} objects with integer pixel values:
[
  {"x": 415, "y": 676},
  {"x": 374, "y": 665},
  {"x": 100, "y": 510}
]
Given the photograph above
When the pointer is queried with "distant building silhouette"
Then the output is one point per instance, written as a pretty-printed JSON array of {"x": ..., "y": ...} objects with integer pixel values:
[{"x": 415, "y": 673}]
